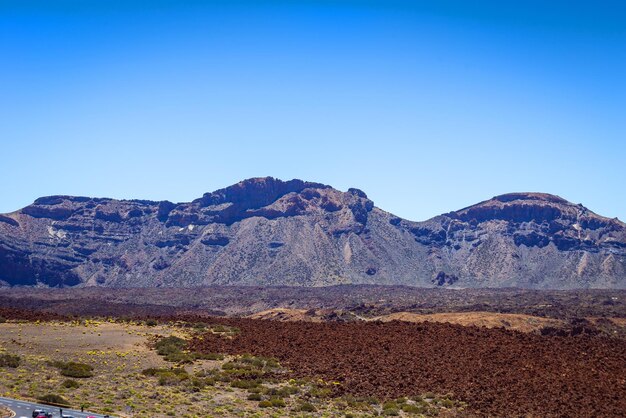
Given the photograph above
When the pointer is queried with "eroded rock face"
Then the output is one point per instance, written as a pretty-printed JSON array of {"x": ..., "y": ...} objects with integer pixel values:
[
  {"x": 531, "y": 219},
  {"x": 65, "y": 241},
  {"x": 443, "y": 279},
  {"x": 9, "y": 221},
  {"x": 270, "y": 232},
  {"x": 528, "y": 240}
]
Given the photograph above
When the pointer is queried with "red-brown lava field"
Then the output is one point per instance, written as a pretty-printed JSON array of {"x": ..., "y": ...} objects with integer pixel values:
[
  {"x": 497, "y": 372},
  {"x": 29, "y": 315}
]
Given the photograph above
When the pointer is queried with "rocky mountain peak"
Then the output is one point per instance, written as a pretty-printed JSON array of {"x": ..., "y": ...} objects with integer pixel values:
[
  {"x": 541, "y": 197},
  {"x": 265, "y": 197},
  {"x": 268, "y": 231},
  {"x": 533, "y": 207},
  {"x": 527, "y": 220},
  {"x": 256, "y": 192}
]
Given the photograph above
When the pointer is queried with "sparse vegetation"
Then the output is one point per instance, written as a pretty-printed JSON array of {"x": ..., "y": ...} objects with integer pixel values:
[
  {"x": 168, "y": 345},
  {"x": 265, "y": 404},
  {"x": 248, "y": 368},
  {"x": 136, "y": 372},
  {"x": 307, "y": 407},
  {"x": 73, "y": 369},
  {"x": 208, "y": 356},
  {"x": 224, "y": 330},
  {"x": 171, "y": 348},
  {"x": 278, "y": 403}
]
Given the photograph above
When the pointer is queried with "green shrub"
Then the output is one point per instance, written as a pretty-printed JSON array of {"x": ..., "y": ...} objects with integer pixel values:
[
  {"x": 73, "y": 369},
  {"x": 168, "y": 379},
  {"x": 200, "y": 383},
  {"x": 152, "y": 371},
  {"x": 320, "y": 392},
  {"x": 283, "y": 392},
  {"x": 9, "y": 360},
  {"x": 253, "y": 361},
  {"x": 247, "y": 367},
  {"x": 2, "y": 320},
  {"x": 278, "y": 403},
  {"x": 167, "y": 343},
  {"x": 171, "y": 348},
  {"x": 265, "y": 404},
  {"x": 179, "y": 357},
  {"x": 390, "y": 405},
  {"x": 307, "y": 407},
  {"x": 255, "y": 397},
  {"x": 391, "y": 412},
  {"x": 152, "y": 323},
  {"x": 70, "y": 384},
  {"x": 80, "y": 370},
  {"x": 448, "y": 403},
  {"x": 174, "y": 376},
  {"x": 244, "y": 384},
  {"x": 412, "y": 409},
  {"x": 53, "y": 399}
]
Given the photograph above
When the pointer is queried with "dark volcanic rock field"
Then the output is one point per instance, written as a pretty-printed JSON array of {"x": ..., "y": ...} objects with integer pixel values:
[
  {"x": 497, "y": 372},
  {"x": 364, "y": 300}
]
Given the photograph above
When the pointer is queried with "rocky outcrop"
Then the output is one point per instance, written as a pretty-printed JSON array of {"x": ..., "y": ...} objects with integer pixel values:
[
  {"x": 9, "y": 221},
  {"x": 269, "y": 232},
  {"x": 527, "y": 240},
  {"x": 530, "y": 219}
]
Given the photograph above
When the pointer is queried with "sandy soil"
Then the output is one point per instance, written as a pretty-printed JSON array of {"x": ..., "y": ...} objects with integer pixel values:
[
  {"x": 517, "y": 322},
  {"x": 115, "y": 351},
  {"x": 286, "y": 314}
]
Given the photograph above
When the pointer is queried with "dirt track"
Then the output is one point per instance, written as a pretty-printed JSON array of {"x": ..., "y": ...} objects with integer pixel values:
[{"x": 497, "y": 372}]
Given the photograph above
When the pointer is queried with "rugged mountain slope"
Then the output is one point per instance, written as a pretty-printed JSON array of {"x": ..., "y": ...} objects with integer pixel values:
[
  {"x": 525, "y": 240},
  {"x": 269, "y": 232}
]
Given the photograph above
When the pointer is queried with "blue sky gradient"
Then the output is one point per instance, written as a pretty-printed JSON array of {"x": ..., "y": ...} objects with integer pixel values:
[{"x": 426, "y": 106}]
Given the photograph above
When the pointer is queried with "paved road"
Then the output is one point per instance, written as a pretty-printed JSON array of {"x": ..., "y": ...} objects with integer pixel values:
[{"x": 25, "y": 409}]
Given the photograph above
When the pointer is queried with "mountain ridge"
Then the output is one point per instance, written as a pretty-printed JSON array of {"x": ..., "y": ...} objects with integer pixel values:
[{"x": 265, "y": 231}]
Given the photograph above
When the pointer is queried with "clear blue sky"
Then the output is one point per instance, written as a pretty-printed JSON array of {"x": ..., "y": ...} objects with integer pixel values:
[{"x": 426, "y": 106}]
